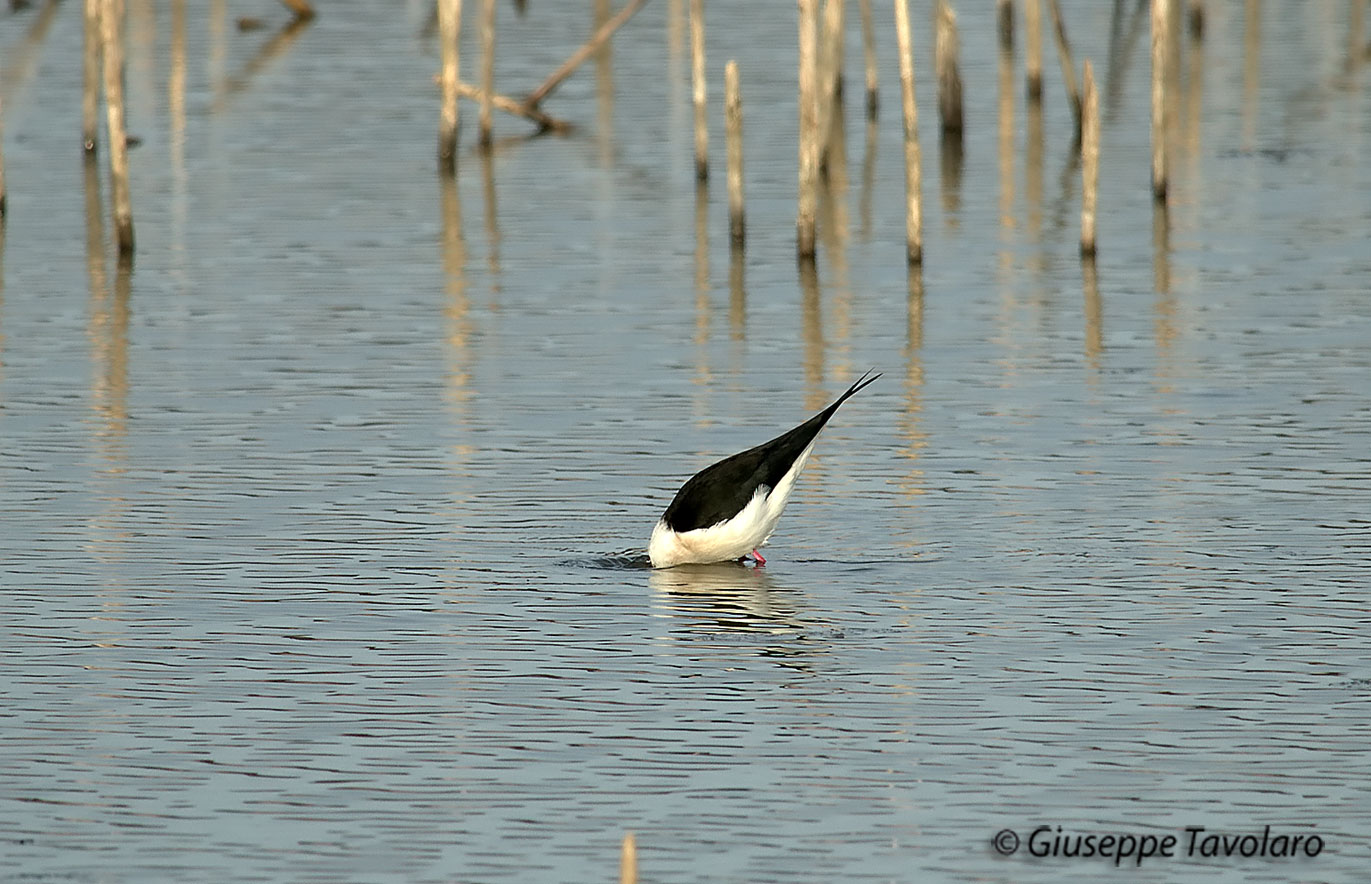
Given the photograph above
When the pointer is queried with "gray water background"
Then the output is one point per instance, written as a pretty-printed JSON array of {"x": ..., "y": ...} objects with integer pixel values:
[{"x": 308, "y": 521}]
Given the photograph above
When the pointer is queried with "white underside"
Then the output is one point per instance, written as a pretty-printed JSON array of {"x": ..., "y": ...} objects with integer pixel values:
[{"x": 731, "y": 539}]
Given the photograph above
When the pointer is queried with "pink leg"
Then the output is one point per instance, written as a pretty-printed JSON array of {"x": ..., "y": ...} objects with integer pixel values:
[{"x": 758, "y": 556}]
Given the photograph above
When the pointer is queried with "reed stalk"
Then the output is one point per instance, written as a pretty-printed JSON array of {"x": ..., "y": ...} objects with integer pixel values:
[
  {"x": 733, "y": 127},
  {"x": 912, "y": 159},
  {"x": 1033, "y": 64},
  {"x": 697, "y": 77},
  {"x": 946, "y": 50},
  {"x": 449, "y": 32},
  {"x": 111, "y": 22},
  {"x": 90, "y": 77},
  {"x": 487, "y": 71},
  {"x": 809, "y": 131},
  {"x": 1090, "y": 160},
  {"x": 1161, "y": 19}
]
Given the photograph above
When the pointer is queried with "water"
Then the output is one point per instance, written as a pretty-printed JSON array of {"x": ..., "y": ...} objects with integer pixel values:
[{"x": 319, "y": 534}]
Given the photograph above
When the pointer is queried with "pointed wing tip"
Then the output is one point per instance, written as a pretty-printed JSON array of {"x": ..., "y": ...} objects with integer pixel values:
[{"x": 862, "y": 382}]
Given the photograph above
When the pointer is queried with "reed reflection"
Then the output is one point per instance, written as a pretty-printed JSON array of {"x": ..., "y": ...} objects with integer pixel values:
[
  {"x": 107, "y": 332},
  {"x": 737, "y": 295},
  {"x": 704, "y": 372},
  {"x": 2, "y": 299},
  {"x": 868, "y": 177},
  {"x": 951, "y": 160},
  {"x": 274, "y": 48},
  {"x": 176, "y": 121},
  {"x": 812, "y": 335},
  {"x": 21, "y": 61},
  {"x": 1251, "y": 70},
  {"x": 1094, "y": 335},
  {"x": 457, "y": 307},
  {"x": 1005, "y": 143},
  {"x": 911, "y": 417},
  {"x": 604, "y": 87},
  {"x": 492, "y": 217},
  {"x": 1123, "y": 41}
]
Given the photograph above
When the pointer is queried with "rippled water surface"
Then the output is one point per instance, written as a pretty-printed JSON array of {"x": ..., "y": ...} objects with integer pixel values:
[{"x": 319, "y": 525}]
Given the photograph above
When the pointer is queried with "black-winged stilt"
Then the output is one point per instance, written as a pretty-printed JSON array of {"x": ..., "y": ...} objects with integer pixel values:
[{"x": 729, "y": 509}]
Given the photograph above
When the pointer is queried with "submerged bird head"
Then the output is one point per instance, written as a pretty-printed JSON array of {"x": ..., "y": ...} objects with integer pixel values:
[{"x": 728, "y": 509}]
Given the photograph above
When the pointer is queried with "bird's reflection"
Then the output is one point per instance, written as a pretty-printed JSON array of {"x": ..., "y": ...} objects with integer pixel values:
[{"x": 732, "y": 599}]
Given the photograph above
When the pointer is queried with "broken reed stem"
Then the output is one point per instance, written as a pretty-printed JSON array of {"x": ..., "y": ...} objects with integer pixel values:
[
  {"x": 869, "y": 55},
  {"x": 697, "y": 77},
  {"x": 1161, "y": 18},
  {"x": 628, "y": 860},
  {"x": 1090, "y": 160},
  {"x": 90, "y": 77},
  {"x": 449, "y": 30},
  {"x": 513, "y": 106},
  {"x": 577, "y": 58},
  {"x": 111, "y": 20},
  {"x": 945, "y": 52},
  {"x": 1073, "y": 93},
  {"x": 1004, "y": 20},
  {"x": 809, "y": 130},
  {"x": 733, "y": 128},
  {"x": 914, "y": 235},
  {"x": 487, "y": 70},
  {"x": 1033, "y": 66}
]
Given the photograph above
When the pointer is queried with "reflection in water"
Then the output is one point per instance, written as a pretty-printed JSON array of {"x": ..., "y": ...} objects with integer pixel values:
[
  {"x": 1251, "y": 70},
  {"x": 834, "y": 223},
  {"x": 1094, "y": 336},
  {"x": 107, "y": 332},
  {"x": 1066, "y": 207},
  {"x": 1006, "y": 157},
  {"x": 176, "y": 142},
  {"x": 737, "y": 295},
  {"x": 1033, "y": 172},
  {"x": 1161, "y": 249},
  {"x": 911, "y": 430},
  {"x": 731, "y": 598},
  {"x": 216, "y": 62},
  {"x": 604, "y": 87},
  {"x": 1194, "y": 99},
  {"x": 952, "y": 158},
  {"x": 22, "y": 61},
  {"x": 812, "y": 333},
  {"x": 868, "y": 176},
  {"x": 1034, "y": 161},
  {"x": 704, "y": 374},
  {"x": 269, "y": 52},
  {"x": 1122, "y": 41},
  {"x": 1166, "y": 330},
  {"x": 492, "y": 218},
  {"x": 1356, "y": 50},
  {"x": 141, "y": 40},
  {"x": 2, "y": 299},
  {"x": 457, "y": 310}
]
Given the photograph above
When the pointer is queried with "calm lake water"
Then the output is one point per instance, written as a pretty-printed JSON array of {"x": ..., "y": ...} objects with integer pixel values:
[{"x": 310, "y": 520}]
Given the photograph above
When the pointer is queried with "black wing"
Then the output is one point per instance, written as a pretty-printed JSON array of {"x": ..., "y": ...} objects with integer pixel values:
[{"x": 719, "y": 492}]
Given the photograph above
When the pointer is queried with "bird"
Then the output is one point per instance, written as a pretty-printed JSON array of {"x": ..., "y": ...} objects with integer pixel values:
[{"x": 729, "y": 509}]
